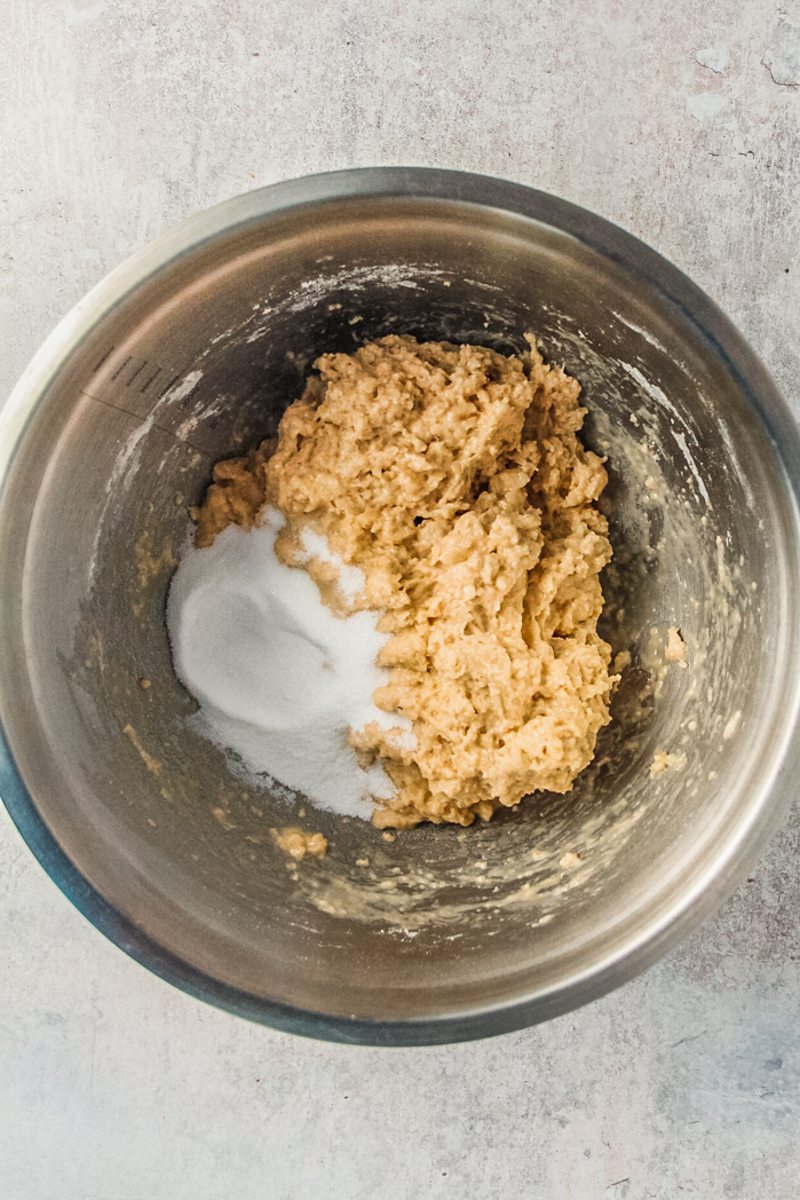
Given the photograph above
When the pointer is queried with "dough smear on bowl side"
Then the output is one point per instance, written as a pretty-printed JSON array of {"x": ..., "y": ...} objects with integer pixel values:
[{"x": 454, "y": 479}]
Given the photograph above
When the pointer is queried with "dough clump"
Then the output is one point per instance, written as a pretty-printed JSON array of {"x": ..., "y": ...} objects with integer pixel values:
[
  {"x": 454, "y": 477},
  {"x": 298, "y": 843}
]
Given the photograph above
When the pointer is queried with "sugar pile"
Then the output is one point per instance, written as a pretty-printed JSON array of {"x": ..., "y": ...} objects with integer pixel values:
[{"x": 279, "y": 678}]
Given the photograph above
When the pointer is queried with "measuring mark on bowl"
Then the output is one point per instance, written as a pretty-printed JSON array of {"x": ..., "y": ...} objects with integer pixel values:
[{"x": 181, "y": 386}]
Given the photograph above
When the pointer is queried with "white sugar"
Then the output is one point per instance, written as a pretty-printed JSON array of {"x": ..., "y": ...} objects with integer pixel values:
[
  {"x": 279, "y": 678},
  {"x": 350, "y": 579}
]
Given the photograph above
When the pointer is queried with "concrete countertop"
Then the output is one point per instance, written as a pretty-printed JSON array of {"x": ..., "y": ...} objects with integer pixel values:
[{"x": 682, "y": 123}]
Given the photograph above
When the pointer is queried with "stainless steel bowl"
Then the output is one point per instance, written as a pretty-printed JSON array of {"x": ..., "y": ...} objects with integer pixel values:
[{"x": 190, "y": 351}]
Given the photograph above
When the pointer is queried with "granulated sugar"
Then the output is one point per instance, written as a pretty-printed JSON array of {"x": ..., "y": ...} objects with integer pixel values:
[
  {"x": 279, "y": 678},
  {"x": 350, "y": 580}
]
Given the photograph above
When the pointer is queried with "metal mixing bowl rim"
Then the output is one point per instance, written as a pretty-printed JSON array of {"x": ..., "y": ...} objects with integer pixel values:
[{"x": 767, "y": 803}]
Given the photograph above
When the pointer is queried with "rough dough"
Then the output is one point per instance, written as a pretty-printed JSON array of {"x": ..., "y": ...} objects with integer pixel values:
[
  {"x": 662, "y": 761},
  {"x": 675, "y": 650},
  {"x": 454, "y": 477},
  {"x": 298, "y": 843}
]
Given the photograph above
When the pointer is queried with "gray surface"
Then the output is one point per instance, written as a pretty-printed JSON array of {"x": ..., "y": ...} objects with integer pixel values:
[{"x": 113, "y": 1086}]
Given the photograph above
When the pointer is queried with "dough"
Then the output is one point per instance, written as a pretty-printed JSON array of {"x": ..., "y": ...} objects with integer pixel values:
[
  {"x": 454, "y": 477},
  {"x": 662, "y": 762},
  {"x": 675, "y": 650},
  {"x": 298, "y": 843}
]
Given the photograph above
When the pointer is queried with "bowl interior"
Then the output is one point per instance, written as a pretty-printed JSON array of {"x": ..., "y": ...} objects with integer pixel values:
[{"x": 198, "y": 361}]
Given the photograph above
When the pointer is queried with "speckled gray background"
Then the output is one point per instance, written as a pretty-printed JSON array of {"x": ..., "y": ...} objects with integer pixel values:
[{"x": 681, "y": 121}]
